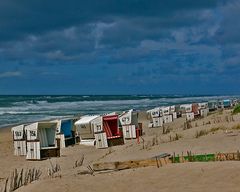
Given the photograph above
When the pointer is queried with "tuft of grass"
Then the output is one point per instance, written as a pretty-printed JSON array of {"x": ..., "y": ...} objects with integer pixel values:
[
  {"x": 201, "y": 133},
  {"x": 187, "y": 125},
  {"x": 175, "y": 137},
  {"x": 220, "y": 111},
  {"x": 215, "y": 129},
  {"x": 19, "y": 178},
  {"x": 153, "y": 142},
  {"x": 54, "y": 171},
  {"x": 236, "y": 126},
  {"x": 79, "y": 163},
  {"x": 206, "y": 132},
  {"x": 166, "y": 130},
  {"x": 236, "y": 109}
]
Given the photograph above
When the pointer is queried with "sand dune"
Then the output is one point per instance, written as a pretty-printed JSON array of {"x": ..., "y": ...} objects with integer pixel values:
[{"x": 211, "y": 176}]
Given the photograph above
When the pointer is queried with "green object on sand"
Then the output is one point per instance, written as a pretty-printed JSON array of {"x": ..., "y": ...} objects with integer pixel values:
[{"x": 195, "y": 158}]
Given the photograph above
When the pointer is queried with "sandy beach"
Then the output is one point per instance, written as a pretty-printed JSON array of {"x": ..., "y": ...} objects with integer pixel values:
[
  {"x": 223, "y": 135},
  {"x": 119, "y": 96}
]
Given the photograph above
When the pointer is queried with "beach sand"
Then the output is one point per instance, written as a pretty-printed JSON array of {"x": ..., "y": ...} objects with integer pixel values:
[{"x": 207, "y": 176}]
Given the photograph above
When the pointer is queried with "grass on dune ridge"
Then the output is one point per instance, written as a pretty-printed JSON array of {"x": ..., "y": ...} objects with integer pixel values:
[{"x": 236, "y": 109}]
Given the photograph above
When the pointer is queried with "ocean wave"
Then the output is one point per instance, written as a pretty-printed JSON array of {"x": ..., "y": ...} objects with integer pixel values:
[
  {"x": 33, "y": 108},
  {"x": 16, "y": 112},
  {"x": 74, "y": 104},
  {"x": 44, "y": 106},
  {"x": 30, "y": 102}
]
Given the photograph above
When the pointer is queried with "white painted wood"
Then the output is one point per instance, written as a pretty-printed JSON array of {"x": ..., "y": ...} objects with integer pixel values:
[
  {"x": 40, "y": 135},
  {"x": 204, "y": 112},
  {"x": 187, "y": 108},
  {"x": 150, "y": 125},
  {"x": 59, "y": 122},
  {"x": 157, "y": 122},
  {"x": 101, "y": 140},
  {"x": 31, "y": 131},
  {"x": 174, "y": 115},
  {"x": 19, "y": 140},
  {"x": 20, "y": 148},
  {"x": 126, "y": 119},
  {"x": 155, "y": 112},
  {"x": 45, "y": 132},
  {"x": 88, "y": 142},
  {"x": 202, "y": 105},
  {"x": 172, "y": 109},
  {"x": 97, "y": 125},
  {"x": 62, "y": 140},
  {"x": 129, "y": 118},
  {"x": 85, "y": 126},
  {"x": 86, "y": 119},
  {"x": 166, "y": 110},
  {"x": 129, "y": 131},
  {"x": 33, "y": 151},
  {"x": 167, "y": 119},
  {"x": 161, "y": 111},
  {"x": 18, "y": 132},
  {"x": 189, "y": 116}
]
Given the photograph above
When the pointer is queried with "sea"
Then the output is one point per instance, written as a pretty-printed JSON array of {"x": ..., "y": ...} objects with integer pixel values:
[{"x": 20, "y": 109}]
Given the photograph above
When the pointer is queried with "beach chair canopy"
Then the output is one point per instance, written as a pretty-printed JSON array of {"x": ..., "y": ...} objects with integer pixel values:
[
  {"x": 43, "y": 131},
  {"x": 85, "y": 120}
]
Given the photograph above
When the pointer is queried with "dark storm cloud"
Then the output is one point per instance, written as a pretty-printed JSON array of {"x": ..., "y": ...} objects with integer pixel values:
[
  {"x": 228, "y": 37},
  {"x": 154, "y": 42},
  {"x": 21, "y": 18},
  {"x": 230, "y": 27}
]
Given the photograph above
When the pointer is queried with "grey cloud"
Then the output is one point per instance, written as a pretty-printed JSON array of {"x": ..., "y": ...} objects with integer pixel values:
[
  {"x": 230, "y": 27},
  {"x": 9, "y": 74},
  {"x": 175, "y": 36},
  {"x": 21, "y": 18}
]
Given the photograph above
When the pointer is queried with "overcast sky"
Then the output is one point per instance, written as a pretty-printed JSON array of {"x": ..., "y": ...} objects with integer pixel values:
[{"x": 119, "y": 47}]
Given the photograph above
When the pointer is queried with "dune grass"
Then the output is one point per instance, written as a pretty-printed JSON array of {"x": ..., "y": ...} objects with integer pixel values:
[
  {"x": 236, "y": 109},
  {"x": 175, "y": 137},
  {"x": 201, "y": 133},
  {"x": 206, "y": 132},
  {"x": 237, "y": 127}
]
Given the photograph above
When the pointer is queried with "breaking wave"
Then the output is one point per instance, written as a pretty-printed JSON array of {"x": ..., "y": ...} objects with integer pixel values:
[{"x": 21, "y": 109}]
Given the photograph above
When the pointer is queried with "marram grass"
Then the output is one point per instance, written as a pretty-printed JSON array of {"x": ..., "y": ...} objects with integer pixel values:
[{"x": 236, "y": 109}]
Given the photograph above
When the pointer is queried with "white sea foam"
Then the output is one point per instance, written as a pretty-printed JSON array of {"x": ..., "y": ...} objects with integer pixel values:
[
  {"x": 78, "y": 106},
  {"x": 31, "y": 110},
  {"x": 16, "y": 112}
]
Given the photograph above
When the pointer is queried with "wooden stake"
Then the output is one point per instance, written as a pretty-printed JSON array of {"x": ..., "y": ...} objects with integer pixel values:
[
  {"x": 157, "y": 162},
  {"x": 5, "y": 187}
]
